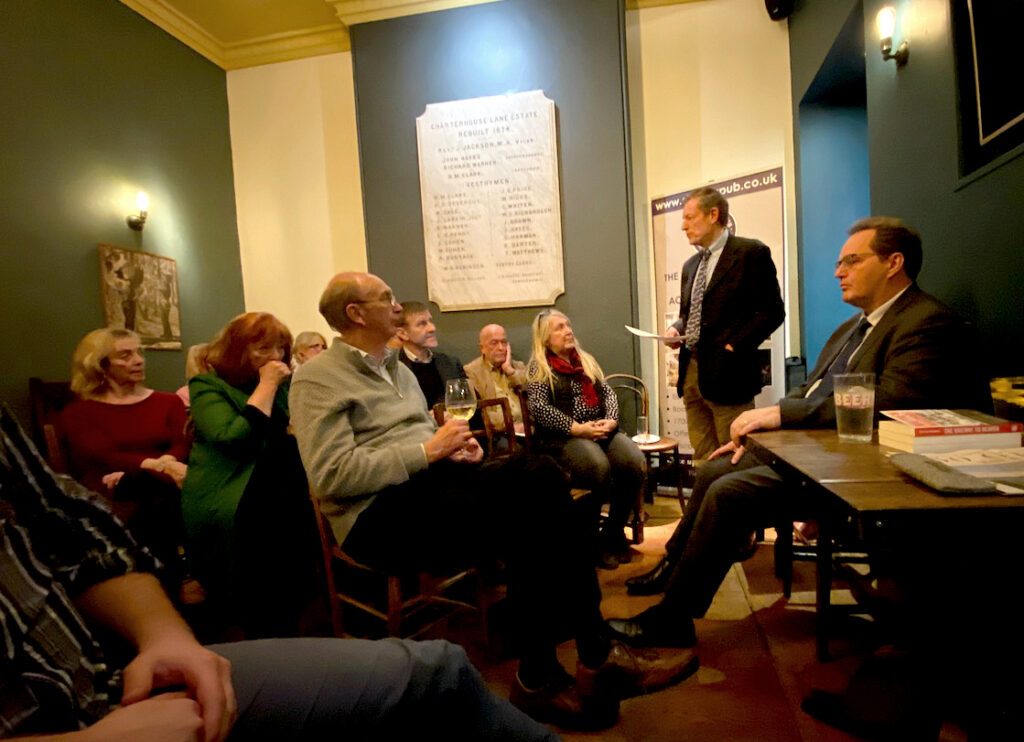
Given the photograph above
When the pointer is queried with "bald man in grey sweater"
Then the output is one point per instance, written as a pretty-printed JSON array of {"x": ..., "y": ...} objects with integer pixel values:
[{"x": 403, "y": 494}]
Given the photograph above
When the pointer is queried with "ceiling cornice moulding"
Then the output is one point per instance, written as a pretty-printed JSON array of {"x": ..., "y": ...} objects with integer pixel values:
[
  {"x": 280, "y": 47},
  {"x": 352, "y": 12}
]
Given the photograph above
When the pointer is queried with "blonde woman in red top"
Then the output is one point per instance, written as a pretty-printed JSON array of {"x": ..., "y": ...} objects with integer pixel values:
[{"x": 127, "y": 441}]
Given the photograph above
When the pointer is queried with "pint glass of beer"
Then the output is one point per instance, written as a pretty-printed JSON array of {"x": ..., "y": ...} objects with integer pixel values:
[{"x": 855, "y": 406}]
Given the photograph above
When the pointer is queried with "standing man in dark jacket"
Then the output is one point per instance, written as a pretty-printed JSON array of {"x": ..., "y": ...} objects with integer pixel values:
[{"x": 730, "y": 304}]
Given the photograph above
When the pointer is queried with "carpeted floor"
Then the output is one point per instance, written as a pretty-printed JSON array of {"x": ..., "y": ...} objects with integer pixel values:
[{"x": 757, "y": 658}]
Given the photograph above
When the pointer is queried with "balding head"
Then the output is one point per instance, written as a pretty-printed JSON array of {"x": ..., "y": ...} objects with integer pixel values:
[
  {"x": 342, "y": 290},
  {"x": 493, "y": 344}
]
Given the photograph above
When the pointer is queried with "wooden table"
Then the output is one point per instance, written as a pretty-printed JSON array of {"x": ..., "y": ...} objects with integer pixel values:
[{"x": 855, "y": 485}]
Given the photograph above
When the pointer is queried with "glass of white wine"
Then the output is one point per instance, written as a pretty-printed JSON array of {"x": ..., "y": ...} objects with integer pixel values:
[{"x": 459, "y": 399}]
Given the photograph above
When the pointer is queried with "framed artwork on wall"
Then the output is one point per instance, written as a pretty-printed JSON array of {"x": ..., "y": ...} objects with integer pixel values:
[
  {"x": 989, "y": 68},
  {"x": 140, "y": 293}
]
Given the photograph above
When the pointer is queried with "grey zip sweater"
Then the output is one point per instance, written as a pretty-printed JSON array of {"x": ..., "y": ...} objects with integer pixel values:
[{"x": 357, "y": 433}]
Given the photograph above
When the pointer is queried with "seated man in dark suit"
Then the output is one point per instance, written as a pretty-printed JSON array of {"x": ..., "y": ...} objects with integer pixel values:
[
  {"x": 419, "y": 340},
  {"x": 922, "y": 356}
]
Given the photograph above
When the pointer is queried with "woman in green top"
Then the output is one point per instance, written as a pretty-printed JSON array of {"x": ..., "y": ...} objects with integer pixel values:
[{"x": 248, "y": 521}]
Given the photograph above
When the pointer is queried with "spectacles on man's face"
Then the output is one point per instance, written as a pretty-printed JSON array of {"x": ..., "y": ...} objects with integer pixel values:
[
  {"x": 848, "y": 261},
  {"x": 386, "y": 297}
]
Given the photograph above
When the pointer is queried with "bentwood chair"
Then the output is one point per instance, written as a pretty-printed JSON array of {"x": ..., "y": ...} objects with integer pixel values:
[
  {"x": 403, "y": 605},
  {"x": 664, "y": 450}
]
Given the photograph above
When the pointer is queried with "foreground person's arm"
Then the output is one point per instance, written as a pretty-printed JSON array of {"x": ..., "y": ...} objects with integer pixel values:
[{"x": 136, "y": 607}]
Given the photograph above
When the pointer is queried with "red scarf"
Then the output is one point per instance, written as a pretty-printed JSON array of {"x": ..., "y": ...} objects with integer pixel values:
[{"x": 574, "y": 368}]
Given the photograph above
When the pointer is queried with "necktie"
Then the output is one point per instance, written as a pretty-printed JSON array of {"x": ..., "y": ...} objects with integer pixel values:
[
  {"x": 842, "y": 360},
  {"x": 696, "y": 300}
]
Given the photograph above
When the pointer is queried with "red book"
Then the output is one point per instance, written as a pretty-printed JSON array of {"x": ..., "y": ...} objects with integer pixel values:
[{"x": 921, "y": 423}]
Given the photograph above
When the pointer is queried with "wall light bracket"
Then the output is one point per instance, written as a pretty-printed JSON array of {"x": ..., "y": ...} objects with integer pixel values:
[
  {"x": 138, "y": 221},
  {"x": 900, "y": 55},
  {"x": 886, "y": 22}
]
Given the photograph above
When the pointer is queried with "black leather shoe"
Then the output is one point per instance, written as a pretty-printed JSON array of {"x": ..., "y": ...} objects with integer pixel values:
[
  {"x": 636, "y": 632},
  {"x": 653, "y": 582}
]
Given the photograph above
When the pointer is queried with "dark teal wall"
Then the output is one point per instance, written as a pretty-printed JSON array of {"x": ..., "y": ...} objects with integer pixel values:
[
  {"x": 973, "y": 231},
  {"x": 97, "y": 103},
  {"x": 573, "y": 51}
]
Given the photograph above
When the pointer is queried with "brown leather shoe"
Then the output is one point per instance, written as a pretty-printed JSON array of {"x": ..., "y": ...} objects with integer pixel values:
[
  {"x": 632, "y": 672},
  {"x": 558, "y": 703}
]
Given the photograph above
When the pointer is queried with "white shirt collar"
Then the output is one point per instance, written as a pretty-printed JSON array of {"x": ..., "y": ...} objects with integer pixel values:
[
  {"x": 412, "y": 356},
  {"x": 378, "y": 367},
  {"x": 876, "y": 316},
  {"x": 719, "y": 244}
]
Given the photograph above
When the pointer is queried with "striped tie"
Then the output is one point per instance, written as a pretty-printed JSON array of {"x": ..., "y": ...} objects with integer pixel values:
[{"x": 697, "y": 298}]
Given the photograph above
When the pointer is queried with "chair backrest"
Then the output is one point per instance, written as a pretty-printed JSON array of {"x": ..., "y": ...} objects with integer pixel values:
[
  {"x": 507, "y": 428},
  {"x": 48, "y": 398},
  {"x": 633, "y": 384},
  {"x": 528, "y": 429}
]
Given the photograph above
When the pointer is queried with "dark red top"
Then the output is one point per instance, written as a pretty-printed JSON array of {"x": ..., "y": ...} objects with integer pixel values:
[{"x": 102, "y": 438}]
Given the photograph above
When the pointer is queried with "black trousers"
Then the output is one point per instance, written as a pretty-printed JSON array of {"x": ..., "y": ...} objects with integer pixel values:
[
  {"x": 728, "y": 503},
  {"x": 517, "y": 510},
  {"x": 150, "y": 506}
]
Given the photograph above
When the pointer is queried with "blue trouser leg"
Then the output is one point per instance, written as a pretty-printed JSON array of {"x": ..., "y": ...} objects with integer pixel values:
[{"x": 352, "y": 689}]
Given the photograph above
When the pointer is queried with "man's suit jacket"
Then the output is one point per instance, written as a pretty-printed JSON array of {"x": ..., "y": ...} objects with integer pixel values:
[
  {"x": 482, "y": 381},
  {"x": 922, "y": 354},
  {"x": 742, "y": 306}
]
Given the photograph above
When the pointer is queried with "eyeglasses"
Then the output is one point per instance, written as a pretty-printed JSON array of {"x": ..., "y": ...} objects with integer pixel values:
[
  {"x": 387, "y": 297},
  {"x": 853, "y": 259}
]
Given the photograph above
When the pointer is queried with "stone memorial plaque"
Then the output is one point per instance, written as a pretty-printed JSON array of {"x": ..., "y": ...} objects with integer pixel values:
[{"x": 489, "y": 190}]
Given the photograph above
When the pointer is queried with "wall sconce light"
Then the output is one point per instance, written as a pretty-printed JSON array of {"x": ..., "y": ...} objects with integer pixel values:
[
  {"x": 138, "y": 221},
  {"x": 886, "y": 22}
]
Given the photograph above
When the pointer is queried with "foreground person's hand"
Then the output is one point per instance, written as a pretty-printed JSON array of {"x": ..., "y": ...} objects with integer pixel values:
[
  {"x": 172, "y": 717},
  {"x": 180, "y": 660},
  {"x": 729, "y": 447},
  {"x": 448, "y": 439}
]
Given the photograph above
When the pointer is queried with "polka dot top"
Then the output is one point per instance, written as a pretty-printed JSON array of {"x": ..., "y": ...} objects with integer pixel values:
[{"x": 546, "y": 415}]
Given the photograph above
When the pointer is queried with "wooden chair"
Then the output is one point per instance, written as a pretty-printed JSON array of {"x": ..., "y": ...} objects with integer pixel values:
[
  {"x": 393, "y": 600},
  {"x": 665, "y": 450},
  {"x": 490, "y": 431},
  {"x": 48, "y": 398}
]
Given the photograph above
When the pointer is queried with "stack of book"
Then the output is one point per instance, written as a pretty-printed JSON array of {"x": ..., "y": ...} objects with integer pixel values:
[{"x": 937, "y": 431}]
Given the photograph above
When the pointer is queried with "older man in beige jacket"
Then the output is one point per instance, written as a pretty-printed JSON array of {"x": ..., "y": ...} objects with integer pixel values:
[{"x": 494, "y": 374}]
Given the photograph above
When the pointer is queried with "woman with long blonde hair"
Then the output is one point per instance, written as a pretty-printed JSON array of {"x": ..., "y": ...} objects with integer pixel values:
[{"x": 576, "y": 419}]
